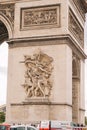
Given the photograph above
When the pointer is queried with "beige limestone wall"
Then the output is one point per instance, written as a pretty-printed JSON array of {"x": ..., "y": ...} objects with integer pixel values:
[
  {"x": 61, "y": 93},
  {"x": 75, "y": 99},
  {"x": 81, "y": 115},
  {"x": 36, "y": 113},
  {"x": 29, "y": 113},
  {"x": 82, "y": 93},
  {"x": 61, "y": 112}
]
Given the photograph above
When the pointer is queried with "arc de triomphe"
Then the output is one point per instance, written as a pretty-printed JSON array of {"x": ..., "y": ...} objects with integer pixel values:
[{"x": 46, "y": 59}]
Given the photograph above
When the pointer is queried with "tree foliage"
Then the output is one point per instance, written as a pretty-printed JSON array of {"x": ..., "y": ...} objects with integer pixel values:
[
  {"x": 85, "y": 120},
  {"x": 2, "y": 117}
]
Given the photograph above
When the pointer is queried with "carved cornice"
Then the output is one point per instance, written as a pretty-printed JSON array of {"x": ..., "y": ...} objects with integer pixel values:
[
  {"x": 82, "y": 109},
  {"x": 41, "y": 103},
  {"x": 31, "y": 41},
  {"x": 8, "y": 11}
]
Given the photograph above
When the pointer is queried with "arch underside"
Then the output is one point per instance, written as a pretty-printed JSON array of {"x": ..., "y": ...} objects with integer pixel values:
[{"x": 3, "y": 32}]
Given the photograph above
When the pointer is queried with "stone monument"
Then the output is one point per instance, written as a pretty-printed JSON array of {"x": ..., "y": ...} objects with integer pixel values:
[{"x": 46, "y": 59}]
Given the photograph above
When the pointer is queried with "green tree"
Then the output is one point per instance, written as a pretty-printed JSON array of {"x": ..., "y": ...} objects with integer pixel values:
[
  {"x": 2, "y": 117},
  {"x": 85, "y": 120}
]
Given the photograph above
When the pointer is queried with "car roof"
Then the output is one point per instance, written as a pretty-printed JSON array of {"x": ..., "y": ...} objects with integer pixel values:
[
  {"x": 4, "y": 124},
  {"x": 15, "y": 126}
]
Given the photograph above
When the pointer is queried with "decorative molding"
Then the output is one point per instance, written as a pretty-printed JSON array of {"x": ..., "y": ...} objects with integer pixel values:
[
  {"x": 41, "y": 103},
  {"x": 82, "y": 109},
  {"x": 8, "y": 11},
  {"x": 40, "y": 16},
  {"x": 35, "y": 41},
  {"x": 76, "y": 29},
  {"x": 37, "y": 75}
]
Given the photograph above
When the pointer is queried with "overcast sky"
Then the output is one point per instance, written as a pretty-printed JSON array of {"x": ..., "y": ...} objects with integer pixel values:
[{"x": 3, "y": 72}]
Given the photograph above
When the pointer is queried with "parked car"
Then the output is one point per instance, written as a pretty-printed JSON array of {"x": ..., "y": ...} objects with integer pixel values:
[
  {"x": 23, "y": 127},
  {"x": 4, "y": 126}
]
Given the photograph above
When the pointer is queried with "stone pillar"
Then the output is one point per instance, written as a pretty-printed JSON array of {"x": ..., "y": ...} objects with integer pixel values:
[
  {"x": 77, "y": 90},
  {"x": 82, "y": 93},
  {"x": 76, "y": 67},
  {"x": 75, "y": 100}
]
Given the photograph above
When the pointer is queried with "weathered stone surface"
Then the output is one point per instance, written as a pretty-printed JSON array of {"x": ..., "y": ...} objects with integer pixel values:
[
  {"x": 36, "y": 17},
  {"x": 49, "y": 77}
]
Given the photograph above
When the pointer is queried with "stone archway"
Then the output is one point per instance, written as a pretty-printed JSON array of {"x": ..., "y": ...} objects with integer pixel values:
[
  {"x": 6, "y": 33},
  {"x": 3, "y": 32},
  {"x": 6, "y": 21},
  {"x": 5, "y": 29}
]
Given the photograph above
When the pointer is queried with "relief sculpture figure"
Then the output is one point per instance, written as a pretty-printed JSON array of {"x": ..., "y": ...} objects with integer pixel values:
[{"x": 37, "y": 75}]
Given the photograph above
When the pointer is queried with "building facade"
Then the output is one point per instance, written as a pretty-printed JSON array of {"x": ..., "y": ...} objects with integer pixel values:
[{"x": 46, "y": 59}]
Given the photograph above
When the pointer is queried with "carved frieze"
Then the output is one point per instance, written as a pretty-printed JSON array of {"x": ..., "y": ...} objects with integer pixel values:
[
  {"x": 76, "y": 29},
  {"x": 80, "y": 7},
  {"x": 38, "y": 74},
  {"x": 8, "y": 11},
  {"x": 34, "y": 17}
]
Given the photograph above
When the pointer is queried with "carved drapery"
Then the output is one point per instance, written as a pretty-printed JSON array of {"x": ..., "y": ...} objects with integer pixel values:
[
  {"x": 8, "y": 11},
  {"x": 40, "y": 16},
  {"x": 76, "y": 29},
  {"x": 37, "y": 75}
]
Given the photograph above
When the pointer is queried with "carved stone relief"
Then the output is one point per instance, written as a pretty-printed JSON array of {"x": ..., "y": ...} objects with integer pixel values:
[
  {"x": 38, "y": 74},
  {"x": 80, "y": 7},
  {"x": 8, "y": 11},
  {"x": 76, "y": 29},
  {"x": 32, "y": 17}
]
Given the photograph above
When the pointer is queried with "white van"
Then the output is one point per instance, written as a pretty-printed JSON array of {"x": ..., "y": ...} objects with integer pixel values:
[{"x": 23, "y": 127}]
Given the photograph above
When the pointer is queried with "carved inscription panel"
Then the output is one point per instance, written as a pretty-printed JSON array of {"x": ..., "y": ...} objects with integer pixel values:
[
  {"x": 39, "y": 16},
  {"x": 37, "y": 75}
]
